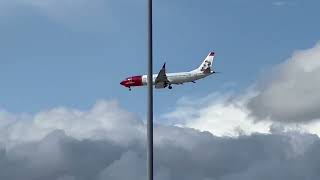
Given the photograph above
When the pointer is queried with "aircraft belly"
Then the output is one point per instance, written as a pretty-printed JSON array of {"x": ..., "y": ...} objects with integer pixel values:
[
  {"x": 178, "y": 80},
  {"x": 184, "y": 79}
]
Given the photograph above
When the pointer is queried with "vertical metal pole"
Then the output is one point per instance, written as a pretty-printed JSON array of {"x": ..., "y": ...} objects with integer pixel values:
[{"x": 150, "y": 96}]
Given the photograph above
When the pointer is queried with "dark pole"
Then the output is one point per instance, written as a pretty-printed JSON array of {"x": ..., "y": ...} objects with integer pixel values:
[{"x": 150, "y": 96}]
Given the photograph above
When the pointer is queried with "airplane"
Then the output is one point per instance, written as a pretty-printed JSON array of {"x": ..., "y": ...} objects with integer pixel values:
[{"x": 164, "y": 79}]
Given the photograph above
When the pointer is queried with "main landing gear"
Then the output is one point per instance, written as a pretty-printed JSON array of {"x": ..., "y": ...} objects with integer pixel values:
[
  {"x": 170, "y": 87},
  {"x": 129, "y": 88}
]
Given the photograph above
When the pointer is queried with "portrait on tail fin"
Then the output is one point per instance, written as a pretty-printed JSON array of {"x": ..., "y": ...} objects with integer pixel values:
[{"x": 206, "y": 67}]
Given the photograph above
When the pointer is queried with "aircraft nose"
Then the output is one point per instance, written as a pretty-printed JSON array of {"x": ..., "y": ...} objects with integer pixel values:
[{"x": 122, "y": 83}]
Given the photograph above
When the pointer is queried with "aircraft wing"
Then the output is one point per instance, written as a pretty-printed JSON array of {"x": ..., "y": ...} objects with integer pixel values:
[{"x": 162, "y": 80}]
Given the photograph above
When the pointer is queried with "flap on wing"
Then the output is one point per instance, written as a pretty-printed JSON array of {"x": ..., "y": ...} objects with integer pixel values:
[{"x": 160, "y": 85}]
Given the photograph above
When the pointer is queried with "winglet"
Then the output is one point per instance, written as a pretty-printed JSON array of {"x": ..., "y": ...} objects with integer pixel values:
[
  {"x": 211, "y": 54},
  {"x": 164, "y": 66}
]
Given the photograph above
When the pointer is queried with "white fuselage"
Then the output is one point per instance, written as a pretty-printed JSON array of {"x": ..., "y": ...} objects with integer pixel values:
[{"x": 180, "y": 77}]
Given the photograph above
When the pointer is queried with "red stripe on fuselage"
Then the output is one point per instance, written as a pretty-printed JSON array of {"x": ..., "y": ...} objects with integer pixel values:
[{"x": 132, "y": 81}]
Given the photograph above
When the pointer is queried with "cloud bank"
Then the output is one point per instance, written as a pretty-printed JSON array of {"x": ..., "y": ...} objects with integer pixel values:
[{"x": 107, "y": 142}]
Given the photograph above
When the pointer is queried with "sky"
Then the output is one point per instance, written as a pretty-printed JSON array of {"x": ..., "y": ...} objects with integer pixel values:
[
  {"x": 66, "y": 53},
  {"x": 64, "y": 115}
]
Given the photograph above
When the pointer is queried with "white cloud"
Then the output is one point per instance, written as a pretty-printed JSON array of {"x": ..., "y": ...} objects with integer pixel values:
[
  {"x": 228, "y": 115},
  {"x": 220, "y": 114},
  {"x": 103, "y": 121},
  {"x": 291, "y": 94}
]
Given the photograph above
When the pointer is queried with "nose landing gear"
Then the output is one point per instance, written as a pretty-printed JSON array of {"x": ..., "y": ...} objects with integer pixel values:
[{"x": 170, "y": 87}]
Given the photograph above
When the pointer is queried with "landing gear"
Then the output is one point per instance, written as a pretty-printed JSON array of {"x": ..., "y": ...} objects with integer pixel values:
[
  {"x": 129, "y": 88},
  {"x": 170, "y": 87}
]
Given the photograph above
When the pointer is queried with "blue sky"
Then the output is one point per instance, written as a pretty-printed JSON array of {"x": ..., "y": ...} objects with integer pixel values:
[{"x": 73, "y": 55}]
